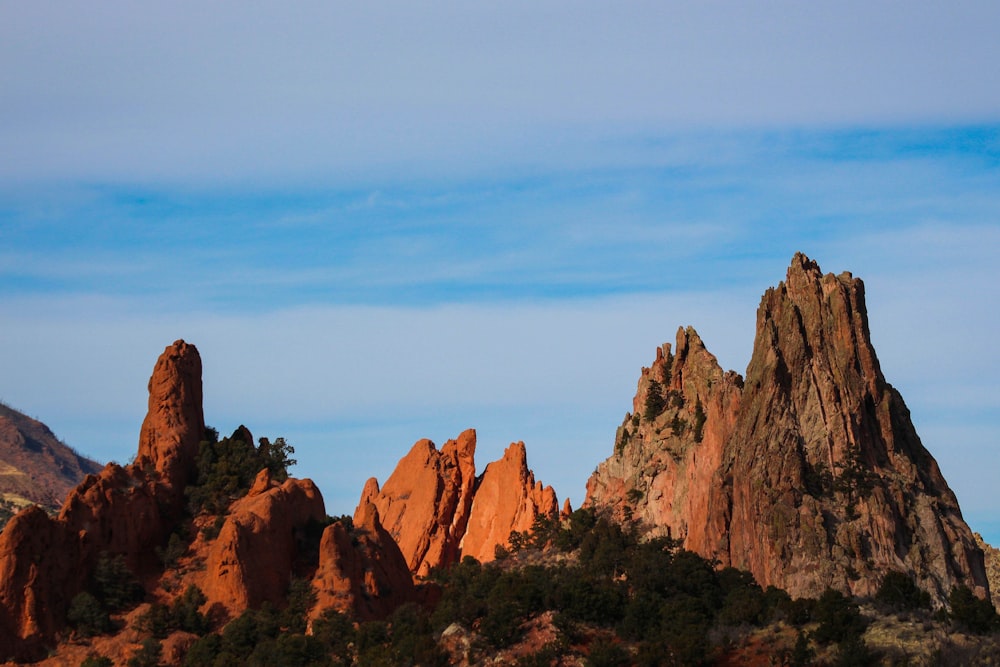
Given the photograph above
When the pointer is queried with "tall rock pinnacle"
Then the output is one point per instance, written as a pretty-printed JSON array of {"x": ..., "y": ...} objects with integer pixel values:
[
  {"x": 809, "y": 473},
  {"x": 174, "y": 423}
]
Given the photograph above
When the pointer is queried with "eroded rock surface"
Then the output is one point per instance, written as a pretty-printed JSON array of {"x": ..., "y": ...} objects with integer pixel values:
[
  {"x": 809, "y": 473},
  {"x": 507, "y": 498},
  {"x": 125, "y": 511},
  {"x": 361, "y": 572},
  {"x": 438, "y": 511},
  {"x": 251, "y": 561}
]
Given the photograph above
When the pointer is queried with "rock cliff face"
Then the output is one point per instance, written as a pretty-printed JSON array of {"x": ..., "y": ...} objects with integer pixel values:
[
  {"x": 438, "y": 511},
  {"x": 809, "y": 473},
  {"x": 426, "y": 500}
]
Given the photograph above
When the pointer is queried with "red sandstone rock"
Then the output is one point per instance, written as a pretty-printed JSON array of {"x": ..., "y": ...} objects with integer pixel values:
[
  {"x": 362, "y": 572},
  {"x": 506, "y": 499},
  {"x": 810, "y": 474},
  {"x": 45, "y": 562},
  {"x": 174, "y": 423},
  {"x": 425, "y": 502},
  {"x": 251, "y": 561},
  {"x": 438, "y": 511}
]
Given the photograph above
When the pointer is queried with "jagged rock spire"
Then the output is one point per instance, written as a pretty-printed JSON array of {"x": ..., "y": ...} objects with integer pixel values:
[{"x": 809, "y": 474}]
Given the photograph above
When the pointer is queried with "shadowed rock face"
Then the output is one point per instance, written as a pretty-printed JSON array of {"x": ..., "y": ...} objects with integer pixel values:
[
  {"x": 809, "y": 473},
  {"x": 438, "y": 511}
]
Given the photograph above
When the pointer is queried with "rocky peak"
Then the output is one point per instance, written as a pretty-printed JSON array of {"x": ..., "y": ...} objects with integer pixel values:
[
  {"x": 438, "y": 511},
  {"x": 174, "y": 423},
  {"x": 426, "y": 500},
  {"x": 809, "y": 474},
  {"x": 507, "y": 499},
  {"x": 361, "y": 572}
]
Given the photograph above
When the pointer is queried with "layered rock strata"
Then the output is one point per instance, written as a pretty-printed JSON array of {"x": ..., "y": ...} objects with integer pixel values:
[{"x": 808, "y": 473}]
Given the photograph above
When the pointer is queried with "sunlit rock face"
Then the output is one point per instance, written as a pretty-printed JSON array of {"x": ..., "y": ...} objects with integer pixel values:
[
  {"x": 808, "y": 473},
  {"x": 127, "y": 511},
  {"x": 361, "y": 572},
  {"x": 439, "y": 511}
]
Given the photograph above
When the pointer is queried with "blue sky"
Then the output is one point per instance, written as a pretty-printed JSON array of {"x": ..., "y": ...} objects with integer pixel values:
[{"x": 386, "y": 223}]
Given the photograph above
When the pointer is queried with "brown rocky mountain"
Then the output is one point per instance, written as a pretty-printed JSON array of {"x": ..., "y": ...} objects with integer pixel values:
[
  {"x": 35, "y": 466},
  {"x": 808, "y": 473},
  {"x": 438, "y": 511}
]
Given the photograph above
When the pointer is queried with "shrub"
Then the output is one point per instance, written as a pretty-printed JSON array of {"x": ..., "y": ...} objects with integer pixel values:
[
  {"x": 88, "y": 616},
  {"x": 899, "y": 592},
  {"x": 839, "y": 618},
  {"x": 114, "y": 584},
  {"x": 975, "y": 615},
  {"x": 94, "y": 660},
  {"x": 183, "y": 614},
  {"x": 226, "y": 468},
  {"x": 655, "y": 402},
  {"x": 148, "y": 654}
]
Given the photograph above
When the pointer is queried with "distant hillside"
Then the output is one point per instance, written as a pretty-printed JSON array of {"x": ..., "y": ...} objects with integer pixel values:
[{"x": 36, "y": 468}]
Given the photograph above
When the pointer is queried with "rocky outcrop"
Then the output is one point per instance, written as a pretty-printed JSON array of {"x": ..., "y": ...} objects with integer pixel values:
[
  {"x": 126, "y": 511},
  {"x": 809, "y": 473},
  {"x": 174, "y": 423},
  {"x": 425, "y": 502},
  {"x": 361, "y": 570},
  {"x": 438, "y": 511},
  {"x": 35, "y": 466},
  {"x": 506, "y": 499},
  {"x": 252, "y": 559}
]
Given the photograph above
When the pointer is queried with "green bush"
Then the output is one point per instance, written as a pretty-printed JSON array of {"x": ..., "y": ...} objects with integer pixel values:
[
  {"x": 114, "y": 584},
  {"x": 161, "y": 620},
  {"x": 975, "y": 615},
  {"x": 227, "y": 468},
  {"x": 88, "y": 616},
  {"x": 899, "y": 592},
  {"x": 839, "y": 618}
]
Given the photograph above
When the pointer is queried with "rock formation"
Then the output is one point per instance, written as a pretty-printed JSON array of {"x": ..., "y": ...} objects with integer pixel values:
[
  {"x": 35, "y": 467},
  {"x": 506, "y": 499},
  {"x": 45, "y": 562},
  {"x": 267, "y": 537},
  {"x": 438, "y": 511},
  {"x": 252, "y": 559},
  {"x": 361, "y": 571},
  {"x": 174, "y": 423},
  {"x": 426, "y": 500},
  {"x": 809, "y": 473}
]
